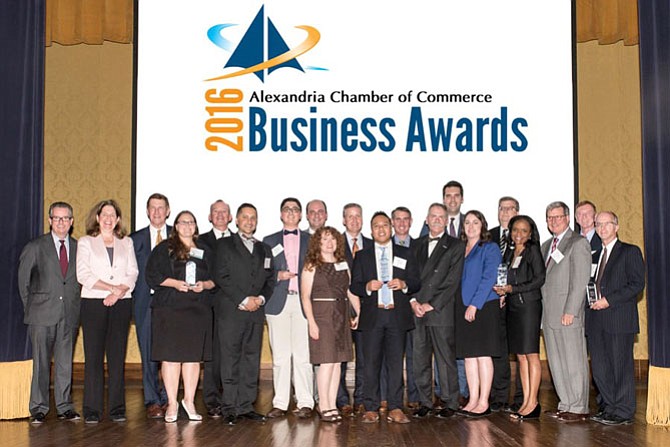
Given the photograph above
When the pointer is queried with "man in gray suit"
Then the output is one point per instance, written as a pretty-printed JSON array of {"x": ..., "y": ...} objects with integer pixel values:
[
  {"x": 50, "y": 293},
  {"x": 568, "y": 259}
]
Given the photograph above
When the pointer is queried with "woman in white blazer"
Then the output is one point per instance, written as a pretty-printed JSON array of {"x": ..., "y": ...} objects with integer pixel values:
[{"x": 107, "y": 271}]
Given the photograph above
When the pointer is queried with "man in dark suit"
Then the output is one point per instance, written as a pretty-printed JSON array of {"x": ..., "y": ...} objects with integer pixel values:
[
  {"x": 50, "y": 293},
  {"x": 401, "y": 219},
  {"x": 287, "y": 325},
  {"x": 243, "y": 271},
  {"x": 352, "y": 218},
  {"x": 508, "y": 207},
  {"x": 144, "y": 240},
  {"x": 440, "y": 258},
  {"x": 384, "y": 276},
  {"x": 612, "y": 322},
  {"x": 212, "y": 390}
]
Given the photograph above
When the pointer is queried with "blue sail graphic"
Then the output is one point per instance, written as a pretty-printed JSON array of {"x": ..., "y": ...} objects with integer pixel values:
[{"x": 249, "y": 51}]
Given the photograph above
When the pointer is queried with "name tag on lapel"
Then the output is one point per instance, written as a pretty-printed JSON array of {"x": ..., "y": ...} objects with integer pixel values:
[
  {"x": 276, "y": 250},
  {"x": 399, "y": 262},
  {"x": 341, "y": 266},
  {"x": 557, "y": 256}
]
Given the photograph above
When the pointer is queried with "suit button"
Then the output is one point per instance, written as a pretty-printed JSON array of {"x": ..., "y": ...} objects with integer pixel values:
[{"x": 60, "y": 298}]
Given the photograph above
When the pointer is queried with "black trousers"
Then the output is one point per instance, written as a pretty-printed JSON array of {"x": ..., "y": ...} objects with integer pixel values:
[
  {"x": 438, "y": 340},
  {"x": 105, "y": 332},
  {"x": 212, "y": 390}
]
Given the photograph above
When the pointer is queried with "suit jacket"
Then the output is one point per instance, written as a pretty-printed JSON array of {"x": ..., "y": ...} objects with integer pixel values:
[
  {"x": 622, "y": 283},
  {"x": 365, "y": 270},
  {"x": 480, "y": 271},
  {"x": 240, "y": 274},
  {"x": 210, "y": 239},
  {"x": 529, "y": 275},
  {"x": 276, "y": 304},
  {"x": 565, "y": 284},
  {"x": 142, "y": 244},
  {"x": 367, "y": 242},
  {"x": 46, "y": 295},
  {"x": 93, "y": 265},
  {"x": 596, "y": 246},
  {"x": 440, "y": 278}
]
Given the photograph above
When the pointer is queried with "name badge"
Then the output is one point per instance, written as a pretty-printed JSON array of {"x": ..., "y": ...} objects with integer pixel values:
[
  {"x": 517, "y": 261},
  {"x": 277, "y": 249},
  {"x": 399, "y": 262},
  {"x": 196, "y": 253},
  {"x": 341, "y": 266},
  {"x": 594, "y": 267},
  {"x": 557, "y": 256},
  {"x": 267, "y": 263}
]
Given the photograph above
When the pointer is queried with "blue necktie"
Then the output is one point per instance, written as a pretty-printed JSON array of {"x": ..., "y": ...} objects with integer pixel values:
[{"x": 386, "y": 277}]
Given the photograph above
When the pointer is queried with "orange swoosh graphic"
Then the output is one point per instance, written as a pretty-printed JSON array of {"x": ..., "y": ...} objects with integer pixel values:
[{"x": 313, "y": 37}]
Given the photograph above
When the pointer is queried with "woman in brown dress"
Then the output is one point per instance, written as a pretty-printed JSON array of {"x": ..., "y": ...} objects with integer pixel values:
[{"x": 326, "y": 301}]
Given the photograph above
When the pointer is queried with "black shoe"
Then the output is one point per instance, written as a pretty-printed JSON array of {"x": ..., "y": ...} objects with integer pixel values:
[
  {"x": 497, "y": 406},
  {"x": 598, "y": 417},
  {"x": 535, "y": 414},
  {"x": 69, "y": 415},
  {"x": 253, "y": 416},
  {"x": 474, "y": 415},
  {"x": 230, "y": 419},
  {"x": 119, "y": 417},
  {"x": 422, "y": 412},
  {"x": 445, "y": 413},
  {"x": 92, "y": 419},
  {"x": 38, "y": 418},
  {"x": 612, "y": 419},
  {"x": 214, "y": 413}
]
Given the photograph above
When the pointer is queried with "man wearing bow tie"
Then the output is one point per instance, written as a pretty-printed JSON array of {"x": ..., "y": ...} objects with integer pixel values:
[
  {"x": 440, "y": 258},
  {"x": 244, "y": 273},
  {"x": 287, "y": 325}
]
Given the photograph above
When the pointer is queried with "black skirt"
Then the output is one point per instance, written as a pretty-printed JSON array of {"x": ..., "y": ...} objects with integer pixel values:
[{"x": 481, "y": 337}]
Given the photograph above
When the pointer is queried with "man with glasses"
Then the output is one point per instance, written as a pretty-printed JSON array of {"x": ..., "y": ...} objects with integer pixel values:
[
  {"x": 612, "y": 322},
  {"x": 144, "y": 241},
  {"x": 50, "y": 294},
  {"x": 287, "y": 325},
  {"x": 567, "y": 257}
]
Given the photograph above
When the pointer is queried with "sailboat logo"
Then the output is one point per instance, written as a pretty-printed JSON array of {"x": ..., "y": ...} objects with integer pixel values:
[{"x": 249, "y": 53}]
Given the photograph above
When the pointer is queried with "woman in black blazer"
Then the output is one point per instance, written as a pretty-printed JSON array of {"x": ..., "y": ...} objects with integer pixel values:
[{"x": 522, "y": 295}]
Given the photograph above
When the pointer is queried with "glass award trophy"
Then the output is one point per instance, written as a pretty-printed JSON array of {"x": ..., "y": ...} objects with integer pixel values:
[
  {"x": 591, "y": 293},
  {"x": 501, "y": 277},
  {"x": 190, "y": 273}
]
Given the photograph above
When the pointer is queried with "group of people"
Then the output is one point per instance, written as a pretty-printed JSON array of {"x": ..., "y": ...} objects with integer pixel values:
[{"x": 446, "y": 309}]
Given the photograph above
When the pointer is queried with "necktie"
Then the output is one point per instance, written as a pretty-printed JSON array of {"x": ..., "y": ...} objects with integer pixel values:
[
  {"x": 249, "y": 242},
  {"x": 503, "y": 243},
  {"x": 432, "y": 243},
  {"x": 386, "y": 277},
  {"x": 401, "y": 243},
  {"x": 159, "y": 238},
  {"x": 62, "y": 257},
  {"x": 553, "y": 248},
  {"x": 290, "y": 232},
  {"x": 354, "y": 248},
  {"x": 601, "y": 269},
  {"x": 452, "y": 228}
]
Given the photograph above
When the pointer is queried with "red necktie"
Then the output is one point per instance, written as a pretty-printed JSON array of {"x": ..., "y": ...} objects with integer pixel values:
[
  {"x": 553, "y": 248},
  {"x": 62, "y": 258}
]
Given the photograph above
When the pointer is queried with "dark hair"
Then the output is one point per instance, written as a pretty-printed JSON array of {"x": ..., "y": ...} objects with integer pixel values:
[
  {"x": 245, "y": 205},
  {"x": 60, "y": 205},
  {"x": 403, "y": 209},
  {"x": 484, "y": 234},
  {"x": 158, "y": 196},
  {"x": 452, "y": 184},
  {"x": 313, "y": 257},
  {"x": 534, "y": 233},
  {"x": 290, "y": 199},
  {"x": 92, "y": 224},
  {"x": 175, "y": 244},
  {"x": 380, "y": 213}
]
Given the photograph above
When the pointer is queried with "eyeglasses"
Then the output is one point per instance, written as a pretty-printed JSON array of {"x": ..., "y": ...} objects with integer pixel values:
[
  {"x": 604, "y": 224},
  {"x": 186, "y": 222},
  {"x": 507, "y": 209},
  {"x": 290, "y": 209},
  {"x": 555, "y": 218},
  {"x": 61, "y": 219}
]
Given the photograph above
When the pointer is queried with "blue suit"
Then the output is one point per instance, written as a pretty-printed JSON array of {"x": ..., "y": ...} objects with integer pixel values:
[{"x": 154, "y": 393}]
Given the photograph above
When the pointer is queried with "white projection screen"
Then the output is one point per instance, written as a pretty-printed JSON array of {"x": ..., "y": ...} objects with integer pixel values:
[{"x": 379, "y": 103}]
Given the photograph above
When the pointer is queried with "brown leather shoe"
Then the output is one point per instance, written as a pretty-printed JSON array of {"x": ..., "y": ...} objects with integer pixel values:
[
  {"x": 304, "y": 413},
  {"x": 413, "y": 405},
  {"x": 566, "y": 416},
  {"x": 370, "y": 417},
  {"x": 347, "y": 410},
  {"x": 360, "y": 409},
  {"x": 553, "y": 413},
  {"x": 383, "y": 408},
  {"x": 398, "y": 416},
  {"x": 155, "y": 411},
  {"x": 275, "y": 413}
]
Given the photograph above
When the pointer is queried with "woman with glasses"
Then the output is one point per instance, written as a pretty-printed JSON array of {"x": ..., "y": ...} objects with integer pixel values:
[{"x": 178, "y": 271}]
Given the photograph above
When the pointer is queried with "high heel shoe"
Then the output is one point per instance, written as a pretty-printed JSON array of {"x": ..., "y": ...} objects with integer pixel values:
[
  {"x": 191, "y": 416},
  {"x": 535, "y": 414},
  {"x": 171, "y": 417}
]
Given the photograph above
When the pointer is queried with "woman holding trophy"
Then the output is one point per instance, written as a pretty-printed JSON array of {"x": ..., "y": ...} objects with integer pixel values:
[
  {"x": 178, "y": 271},
  {"x": 522, "y": 295}
]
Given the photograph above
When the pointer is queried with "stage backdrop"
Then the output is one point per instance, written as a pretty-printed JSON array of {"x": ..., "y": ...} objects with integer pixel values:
[{"x": 353, "y": 101}]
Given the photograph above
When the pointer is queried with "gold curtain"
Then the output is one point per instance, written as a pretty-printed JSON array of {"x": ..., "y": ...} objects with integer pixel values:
[{"x": 71, "y": 22}]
